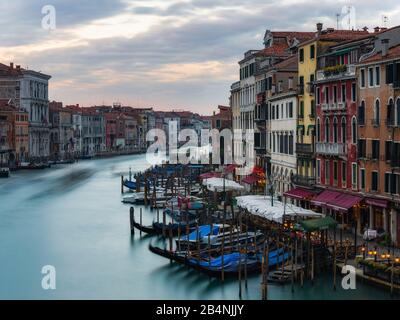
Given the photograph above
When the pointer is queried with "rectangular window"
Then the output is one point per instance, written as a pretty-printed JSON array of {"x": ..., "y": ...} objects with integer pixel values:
[
  {"x": 344, "y": 174},
  {"x": 318, "y": 95},
  {"x": 354, "y": 175},
  {"x": 353, "y": 92},
  {"x": 389, "y": 73},
  {"x": 312, "y": 52},
  {"x": 326, "y": 94},
  {"x": 343, "y": 93},
  {"x": 375, "y": 149},
  {"x": 388, "y": 150},
  {"x": 362, "y": 179},
  {"x": 377, "y": 76},
  {"x": 318, "y": 164},
  {"x": 362, "y": 78},
  {"x": 335, "y": 172},
  {"x": 327, "y": 171},
  {"x": 290, "y": 109},
  {"x": 371, "y": 77},
  {"x": 335, "y": 94},
  {"x": 374, "y": 181},
  {"x": 301, "y": 55},
  {"x": 387, "y": 182}
]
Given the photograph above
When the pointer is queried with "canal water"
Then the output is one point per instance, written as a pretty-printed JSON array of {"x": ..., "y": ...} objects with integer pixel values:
[{"x": 71, "y": 217}]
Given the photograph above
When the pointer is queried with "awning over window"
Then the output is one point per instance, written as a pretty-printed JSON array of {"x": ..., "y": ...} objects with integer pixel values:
[
  {"x": 250, "y": 180},
  {"x": 324, "y": 197},
  {"x": 381, "y": 203},
  {"x": 230, "y": 168},
  {"x": 344, "y": 202},
  {"x": 299, "y": 194}
]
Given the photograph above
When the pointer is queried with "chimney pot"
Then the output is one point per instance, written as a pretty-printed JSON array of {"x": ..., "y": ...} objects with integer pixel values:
[
  {"x": 319, "y": 27},
  {"x": 376, "y": 29},
  {"x": 385, "y": 47},
  {"x": 11, "y": 65},
  {"x": 365, "y": 28}
]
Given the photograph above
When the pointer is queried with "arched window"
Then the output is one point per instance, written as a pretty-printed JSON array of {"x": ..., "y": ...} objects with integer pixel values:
[
  {"x": 390, "y": 115},
  {"x": 327, "y": 131},
  {"x": 354, "y": 130},
  {"x": 343, "y": 131},
  {"x": 398, "y": 112},
  {"x": 335, "y": 130},
  {"x": 318, "y": 130},
  {"x": 377, "y": 108}
]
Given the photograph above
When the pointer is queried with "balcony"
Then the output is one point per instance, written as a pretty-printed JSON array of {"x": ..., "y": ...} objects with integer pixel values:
[
  {"x": 303, "y": 181},
  {"x": 304, "y": 148},
  {"x": 330, "y": 73},
  {"x": 332, "y": 149},
  {"x": 333, "y": 106}
]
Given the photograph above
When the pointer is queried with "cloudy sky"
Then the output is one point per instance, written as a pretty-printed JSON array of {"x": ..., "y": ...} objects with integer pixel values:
[{"x": 167, "y": 54}]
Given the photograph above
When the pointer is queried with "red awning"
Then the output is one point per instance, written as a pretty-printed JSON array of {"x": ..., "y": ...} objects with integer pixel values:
[
  {"x": 377, "y": 202},
  {"x": 250, "y": 180},
  {"x": 230, "y": 168},
  {"x": 209, "y": 175},
  {"x": 299, "y": 193},
  {"x": 344, "y": 202},
  {"x": 324, "y": 197}
]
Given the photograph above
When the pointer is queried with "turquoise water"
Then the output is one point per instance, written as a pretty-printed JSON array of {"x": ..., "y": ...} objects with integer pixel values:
[{"x": 71, "y": 217}]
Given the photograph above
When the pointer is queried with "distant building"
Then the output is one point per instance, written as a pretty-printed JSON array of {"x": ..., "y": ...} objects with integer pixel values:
[
  {"x": 29, "y": 91},
  {"x": 93, "y": 132},
  {"x": 14, "y": 134}
]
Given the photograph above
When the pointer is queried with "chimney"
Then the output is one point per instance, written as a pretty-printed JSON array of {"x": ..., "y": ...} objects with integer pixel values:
[
  {"x": 385, "y": 47},
  {"x": 18, "y": 67},
  {"x": 330, "y": 30},
  {"x": 11, "y": 65},
  {"x": 319, "y": 27},
  {"x": 376, "y": 29},
  {"x": 365, "y": 28}
]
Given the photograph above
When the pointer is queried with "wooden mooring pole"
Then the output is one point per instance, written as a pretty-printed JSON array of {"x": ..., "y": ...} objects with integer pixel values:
[{"x": 132, "y": 219}]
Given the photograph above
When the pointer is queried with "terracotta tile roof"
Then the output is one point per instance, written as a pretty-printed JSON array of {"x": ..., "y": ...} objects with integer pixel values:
[
  {"x": 393, "y": 53},
  {"x": 293, "y": 34},
  {"x": 339, "y": 36},
  {"x": 290, "y": 62},
  {"x": 277, "y": 49}
]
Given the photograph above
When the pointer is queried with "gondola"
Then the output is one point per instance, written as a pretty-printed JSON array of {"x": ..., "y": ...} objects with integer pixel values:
[{"x": 159, "y": 228}]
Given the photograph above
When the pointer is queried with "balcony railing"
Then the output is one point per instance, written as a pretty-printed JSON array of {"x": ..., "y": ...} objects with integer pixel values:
[
  {"x": 333, "y": 106},
  {"x": 329, "y": 148},
  {"x": 304, "y": 181},
  {"x": 305, "y": 148},
  {"x": 390, "y": 122},
  {"x": 336, "y": 72}
]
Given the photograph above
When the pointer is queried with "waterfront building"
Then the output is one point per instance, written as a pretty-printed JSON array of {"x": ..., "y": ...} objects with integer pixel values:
[
  {"x": 14, "y": 134},
  {"x": 378, "y": 134},
  {"x": 234, "y": 103},
  {"x": 93, "y": 132},
  {"x": 255, "y": 88},
  {"x": 308, "y": 54},
  {"x": 77, "y": 128},
  {"x": 281, "y": 123},
  {"x": 29, "y": 91}
]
